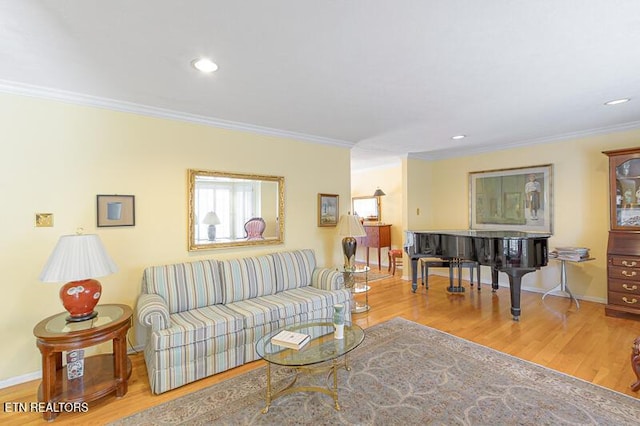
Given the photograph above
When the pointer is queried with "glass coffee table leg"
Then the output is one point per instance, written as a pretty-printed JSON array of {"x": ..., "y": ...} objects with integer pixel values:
[
  {"x": 346, "y": 362},
  {"x": 335, "y": 384},
  {"x": 265, "y": 410}
]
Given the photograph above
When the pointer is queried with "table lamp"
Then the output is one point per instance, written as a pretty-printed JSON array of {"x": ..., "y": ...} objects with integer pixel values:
[
  {"x": 212, "y": 220},
  {"x": 350, "y": 227},
  {"x": 379, "y": 193},
  {"x": 77, "y": 259}
]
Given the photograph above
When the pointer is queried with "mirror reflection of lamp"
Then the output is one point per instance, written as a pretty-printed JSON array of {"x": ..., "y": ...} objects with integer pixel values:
[
  {"x": 379, "y": 193},
  {"x": 350, "y": 227},
  {"x": 77, "y": 259},
  {"x": 212, "y": 220}
]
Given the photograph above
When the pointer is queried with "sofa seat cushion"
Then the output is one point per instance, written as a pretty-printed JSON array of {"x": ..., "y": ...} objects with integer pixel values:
[
  {"x": 313, "y": 298},
  {"x": 197, "y": 325},
  {"x": 285, "y": 305},
  {"x": 265, "y": 309}
]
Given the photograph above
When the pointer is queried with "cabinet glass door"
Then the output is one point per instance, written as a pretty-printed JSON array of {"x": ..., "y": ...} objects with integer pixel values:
[{"x": 627, "y": 194}]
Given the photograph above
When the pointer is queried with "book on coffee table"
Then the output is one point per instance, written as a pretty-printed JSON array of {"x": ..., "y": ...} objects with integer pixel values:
[{"x": 290, "y": 339}]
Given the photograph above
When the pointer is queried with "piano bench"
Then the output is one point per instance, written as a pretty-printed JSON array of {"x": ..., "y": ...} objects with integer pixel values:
[{"x": 451, "y": 264}]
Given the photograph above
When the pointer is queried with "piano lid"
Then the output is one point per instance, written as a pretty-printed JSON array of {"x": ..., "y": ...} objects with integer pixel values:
[{"x": 502, "y": 235}]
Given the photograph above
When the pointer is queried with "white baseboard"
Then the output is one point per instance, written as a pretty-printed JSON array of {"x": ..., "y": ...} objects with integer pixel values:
[
  {"x": 486, "y": 284},
  {"x": 12, "y": 381}
]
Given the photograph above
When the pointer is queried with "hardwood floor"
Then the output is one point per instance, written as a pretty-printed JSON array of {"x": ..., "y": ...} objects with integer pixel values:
[{"x": 580, "y": 342}]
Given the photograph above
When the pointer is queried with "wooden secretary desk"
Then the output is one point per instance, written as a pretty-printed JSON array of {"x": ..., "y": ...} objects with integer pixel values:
[
  {"x": 623, "y": 249},
  {"x": 378, "y": 236}
]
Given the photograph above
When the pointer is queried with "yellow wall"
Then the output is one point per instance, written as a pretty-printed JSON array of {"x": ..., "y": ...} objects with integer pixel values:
[
  {"x": 580, "y": 197},
  {"x": 389, "y": 180},
  {"x": 57, "y": 157}
]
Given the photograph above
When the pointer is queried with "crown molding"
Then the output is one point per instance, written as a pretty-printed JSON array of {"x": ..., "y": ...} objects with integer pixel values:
[
  {"x": 473, "y": 150},
  {"x": 23, "y": 89}
]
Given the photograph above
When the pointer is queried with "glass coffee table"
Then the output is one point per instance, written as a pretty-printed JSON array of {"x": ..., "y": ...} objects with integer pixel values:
[{"x": 322, "y": 354}]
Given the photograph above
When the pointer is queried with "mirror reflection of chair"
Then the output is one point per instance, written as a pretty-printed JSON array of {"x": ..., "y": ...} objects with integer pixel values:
[{"x": 254, "y": 228}]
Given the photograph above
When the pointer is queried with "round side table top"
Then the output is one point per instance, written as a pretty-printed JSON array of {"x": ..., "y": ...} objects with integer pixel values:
[{"x": 109, "y": 316}]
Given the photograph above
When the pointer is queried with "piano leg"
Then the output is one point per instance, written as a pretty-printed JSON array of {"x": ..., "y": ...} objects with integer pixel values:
[
  {"x": 414, "y": 274},
  {"x": 494, "y": 280},
  {"x": 515, "y": 282}
]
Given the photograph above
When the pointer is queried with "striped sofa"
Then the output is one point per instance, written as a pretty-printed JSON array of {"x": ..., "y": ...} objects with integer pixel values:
[{"x": 205, "y": 317}]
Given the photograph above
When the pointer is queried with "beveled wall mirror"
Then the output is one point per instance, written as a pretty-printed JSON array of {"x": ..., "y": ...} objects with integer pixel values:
[
  {"x": 234, "y": 209},
  {"x": 366, "y": 208}
]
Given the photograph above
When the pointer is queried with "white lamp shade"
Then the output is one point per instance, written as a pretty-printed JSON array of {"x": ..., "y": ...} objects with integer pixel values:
[
  {"x": 350, "y": 226},
  {"x": 77, "y": 257},
  {"x": 211, "y": 218}
]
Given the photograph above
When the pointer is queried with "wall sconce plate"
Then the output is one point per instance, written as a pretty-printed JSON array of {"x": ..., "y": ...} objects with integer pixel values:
[{"x": 44, "y": 220}]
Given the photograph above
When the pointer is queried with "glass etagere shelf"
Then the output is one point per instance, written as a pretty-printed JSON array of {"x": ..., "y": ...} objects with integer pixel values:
[{"x": 357, "y": 280}]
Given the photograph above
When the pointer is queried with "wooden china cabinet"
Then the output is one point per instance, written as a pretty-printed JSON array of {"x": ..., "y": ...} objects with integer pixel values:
[{"x": 623, "y": 250}]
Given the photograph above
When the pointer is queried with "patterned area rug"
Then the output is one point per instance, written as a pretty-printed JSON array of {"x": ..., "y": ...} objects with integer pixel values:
[
  {"x": 376, "y": 274},
  {"x": 406, "y": 374}
]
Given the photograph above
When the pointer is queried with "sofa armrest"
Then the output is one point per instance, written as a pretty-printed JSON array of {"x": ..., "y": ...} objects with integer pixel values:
[
  {"x": 153, "y": 311},
  {"x": 327, "y": 279}
]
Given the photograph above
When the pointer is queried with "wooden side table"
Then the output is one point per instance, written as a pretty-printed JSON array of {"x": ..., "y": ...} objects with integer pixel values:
[
  {"x": 378, "y": 236},
  {"x": 103, "y": 374}
]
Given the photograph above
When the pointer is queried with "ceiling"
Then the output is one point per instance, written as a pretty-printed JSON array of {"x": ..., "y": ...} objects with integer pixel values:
[{"x": 389, "y": 78}]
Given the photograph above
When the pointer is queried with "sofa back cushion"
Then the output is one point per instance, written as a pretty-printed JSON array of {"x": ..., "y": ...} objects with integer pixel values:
[
  {"x": 248, "y": 277},
  {"x": 293, "y": 269},
  {"x": 185, "y": 286}
]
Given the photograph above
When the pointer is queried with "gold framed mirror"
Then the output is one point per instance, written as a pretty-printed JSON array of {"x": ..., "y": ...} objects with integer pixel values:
[{"x": 234, "y": 209}]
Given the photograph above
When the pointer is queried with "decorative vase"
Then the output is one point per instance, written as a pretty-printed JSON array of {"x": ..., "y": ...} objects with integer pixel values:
[
  {"x": 349, "y": 246},
  {"x": 338, "y": 320}
]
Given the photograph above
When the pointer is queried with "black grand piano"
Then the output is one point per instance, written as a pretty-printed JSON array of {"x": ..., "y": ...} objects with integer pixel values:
[{"x": 512, "y": 252}]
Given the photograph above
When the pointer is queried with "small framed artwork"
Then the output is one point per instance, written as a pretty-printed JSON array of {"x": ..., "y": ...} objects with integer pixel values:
[
  {"x": 327, "y": 210},
  {"x": 116, "y": 210},
  {"x": 518, "y": 199}
]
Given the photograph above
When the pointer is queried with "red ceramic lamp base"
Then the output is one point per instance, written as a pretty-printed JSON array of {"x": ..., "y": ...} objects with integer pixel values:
[{"x": 79, "y": 298}]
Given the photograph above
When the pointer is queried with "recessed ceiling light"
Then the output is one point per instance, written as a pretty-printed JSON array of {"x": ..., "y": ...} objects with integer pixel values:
[
  {"x": 204, "y": 65},
  {"x": 618, "y": 101},
  {"x": 455, "y": 138}
]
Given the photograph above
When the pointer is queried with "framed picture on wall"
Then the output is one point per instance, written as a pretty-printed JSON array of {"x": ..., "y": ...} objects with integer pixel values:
[
  {"x": 328, "y": 210},
  {"x": 116, "y": 210},
  {"x": 519, "y": 199}
]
